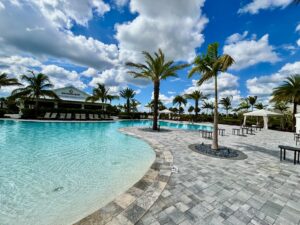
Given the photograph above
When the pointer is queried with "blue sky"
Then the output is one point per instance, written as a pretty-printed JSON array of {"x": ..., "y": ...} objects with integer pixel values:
[{"x": 83, "y": 43}]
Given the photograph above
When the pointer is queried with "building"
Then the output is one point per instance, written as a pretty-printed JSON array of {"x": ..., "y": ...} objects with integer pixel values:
[{"x": 69, "y": 98}]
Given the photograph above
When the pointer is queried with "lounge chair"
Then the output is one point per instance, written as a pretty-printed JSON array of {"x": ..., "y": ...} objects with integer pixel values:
[
  {"x": 62, "y": 116},
  {"x": 69, "y": 116},
  {"x": 77, "y": 116},
  {"x": 47, "y": 115},
  {"x": 102, "y": 117},
  {"x": 96, "y": 116},
  {"x": 53, "y": 116},
  {"x": 83, "y": 116},
  {"x": 91, "y": 116}
]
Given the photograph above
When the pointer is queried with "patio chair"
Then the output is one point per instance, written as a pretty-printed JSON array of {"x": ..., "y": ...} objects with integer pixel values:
[
  {"x": 91, "y": 116},
  {"x": 77, "y": 116},
  {"x": 62, "y": 116},
  {"x": 47, "y": 115},
  {"x": 83, "y": 116},
  {"x": 53, "y": 116},
  {"x": 96, "y": 116},
  {"x": 69, "y": 116}
]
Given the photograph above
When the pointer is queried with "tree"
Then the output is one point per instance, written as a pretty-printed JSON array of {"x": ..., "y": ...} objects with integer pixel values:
[
  {"x": 281, "y": 106},
  {"x": 5, "y": 81},
  {"x": 101, "y": 93},
  {"x": 260, "y": 106},
  {"x": 226, "y": 103},
  {"x": 208, "y": 106},
  {"x": 191, "y": 109},
  {"x": 252, "y": 101},
  {"x": 128, "y": 94},
  {"x": 156, "y": 69},
  {"x": 244, "y": 105},
  {"x": 289, "y": 91},
  {"x": 196, "y": 96},
  {"x": 209, "y": 65},
  {"x": 134, "y": 105},
  {"x": 38, "y": 87},
  {"x": 179, "y": 100}
]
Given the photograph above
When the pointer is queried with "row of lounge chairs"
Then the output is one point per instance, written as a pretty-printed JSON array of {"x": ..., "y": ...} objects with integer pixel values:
[{"x": 76, "y": 116}]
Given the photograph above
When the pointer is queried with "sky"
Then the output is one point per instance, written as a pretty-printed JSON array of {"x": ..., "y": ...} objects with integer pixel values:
[{"x": 85, "y": 42}]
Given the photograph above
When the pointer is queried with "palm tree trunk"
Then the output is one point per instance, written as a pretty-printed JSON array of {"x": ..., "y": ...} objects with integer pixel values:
[
  {"x": 155, "y": 113},
  {"x": 128, "y": 106},
  {"x": 36, "y": 107},
  {"x": 196, "y": 107},
  {"x": 215, "y": 131}
]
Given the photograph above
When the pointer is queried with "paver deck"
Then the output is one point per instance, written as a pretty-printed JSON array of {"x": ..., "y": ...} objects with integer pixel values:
[{"x": 257, "y": 190}]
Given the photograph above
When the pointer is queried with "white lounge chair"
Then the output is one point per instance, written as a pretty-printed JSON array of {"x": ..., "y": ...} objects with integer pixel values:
[
  {"x": 96, "y": 116},
  {"x": 53, "y": 116},
  {"x": 91, "y": 116},
  {"x": 62, "y": 116},
  {"x": 77, "y": 116},
  {"x": 69, "y": 116},
  {"x": 47, "y": 115},
  {"x": 83, "y": 117}
]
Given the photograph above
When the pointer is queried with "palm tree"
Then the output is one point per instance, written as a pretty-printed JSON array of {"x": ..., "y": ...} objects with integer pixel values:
[
  {"x": 191, "y": 109},
  {"x": 226, "y": 103},
  {"x": 38, "y": 87},
  {"x": 208, "y": 106},
  {"x": 281, "y": 106},
  {"x": 134, "y": 105},
  {"x": 196, "y": 96},
  {"x": 101, "y": 93},
  {"x": 128, "y": 94},
  {"x": 289, "y": 91},
  {"x": 179, "y": 100},
  {"x": 110, "y": 98},
  {"x": 260, "y": 106},
  {"x": 209, "y": 66},
  {"x": 252, "y": 101},
  {"x": 244, "y": 105},
  {"x": 5, "y": 81},
  {"x": 156, "y": 69}
]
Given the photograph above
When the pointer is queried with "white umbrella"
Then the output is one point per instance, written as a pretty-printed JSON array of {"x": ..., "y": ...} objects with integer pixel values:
[
  {"x": 263, "y": 113},
  {"x": 165, "y": 111}
]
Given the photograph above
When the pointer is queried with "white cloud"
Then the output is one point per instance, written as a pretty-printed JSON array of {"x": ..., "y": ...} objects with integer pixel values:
[
  {"x": 236, "y": 37},
  {"x": 263, "y": 86},
  {"x": 298, "y": 28},
  {"x": 90, "y": 72},
  {"x": 36, "y": 34},
  {"x": 176, "y": 24},
  {"x": 248, "y": 52},
  {"x": 228, "y": 84},
  {"x": 2, "y": 6},
  {"x": 256, "y": 5},
  {"x": 121, "y": 3},
  {"x": 167, "y": 100}
]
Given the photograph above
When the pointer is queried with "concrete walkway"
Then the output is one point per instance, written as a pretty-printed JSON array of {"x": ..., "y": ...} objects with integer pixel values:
[{"x": 257, "y": 190}]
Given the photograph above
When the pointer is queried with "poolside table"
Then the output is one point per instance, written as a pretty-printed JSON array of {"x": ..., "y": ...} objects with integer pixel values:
[
  {"x": 244, "y": 130},
  {"x": 221, "y": 131},
  {"x": 207, "y": 134},
  {"x": 296, "y": 136},
  {"x": 250, "y": 130},
  {"x": 236, "y": 131},
  {"x": 296, "y": 151}
]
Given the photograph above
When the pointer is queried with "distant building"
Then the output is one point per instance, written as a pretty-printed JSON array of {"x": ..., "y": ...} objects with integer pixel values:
[{"x": 69, "y": 98}]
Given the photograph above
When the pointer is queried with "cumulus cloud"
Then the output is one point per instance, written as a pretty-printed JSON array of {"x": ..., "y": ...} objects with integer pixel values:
[
  {"x": 228, "y": 85},
  {"x": 167, "y": 100},
  {"x": 249, "y": 52},
  {"x": 121, "y": 3},
  {"x": 256, "y": 5},
  {"x": 262, "y": 86},
  {"x": 176, "y": 24},
  {"x": 36, "y": 34}
]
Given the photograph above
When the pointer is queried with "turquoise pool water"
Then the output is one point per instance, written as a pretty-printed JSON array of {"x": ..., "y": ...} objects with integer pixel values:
[{"x": 57, "y": 173}]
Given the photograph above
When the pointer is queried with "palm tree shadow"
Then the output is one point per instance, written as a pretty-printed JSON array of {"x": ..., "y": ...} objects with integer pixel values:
[{"x": 254, "y": 148}]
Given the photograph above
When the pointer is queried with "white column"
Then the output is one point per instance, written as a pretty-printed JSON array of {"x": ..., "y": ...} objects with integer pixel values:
[
  {"x": 245, "y": 120},
  {"x": 82, "y": 106},
  {"x": 266, "y": 122}
]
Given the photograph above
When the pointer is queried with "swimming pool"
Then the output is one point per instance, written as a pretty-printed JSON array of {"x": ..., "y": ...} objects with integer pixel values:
[{"x": 57, "y": 173}]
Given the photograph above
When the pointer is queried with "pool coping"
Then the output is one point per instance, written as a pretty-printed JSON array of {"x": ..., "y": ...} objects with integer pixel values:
[{"x": 129, "y": 207}]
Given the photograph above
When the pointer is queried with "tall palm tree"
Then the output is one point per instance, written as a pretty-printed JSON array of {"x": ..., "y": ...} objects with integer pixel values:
[
  {"x": 282, "y": 106},
  {"x": 244, "y": 105},
  {"x": 196, "y": 96},
  {"x": 252, "y": 101},
  {"x": 6, "y": 81},
  {"x": 179, "y": 100},
  {"x": 128, "y": 94},
  {"x": 38, "y": 87},
  {"x": 208, "y": 106},
  {"x": 134, "y": 105},
  {"x": 227, "y": 103},
  {"x": 209, "y": 66},
  {"x": 156, "y": 69},
  {"x": 101, "y": 93},
  {"x": 289, "y": 91}
]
